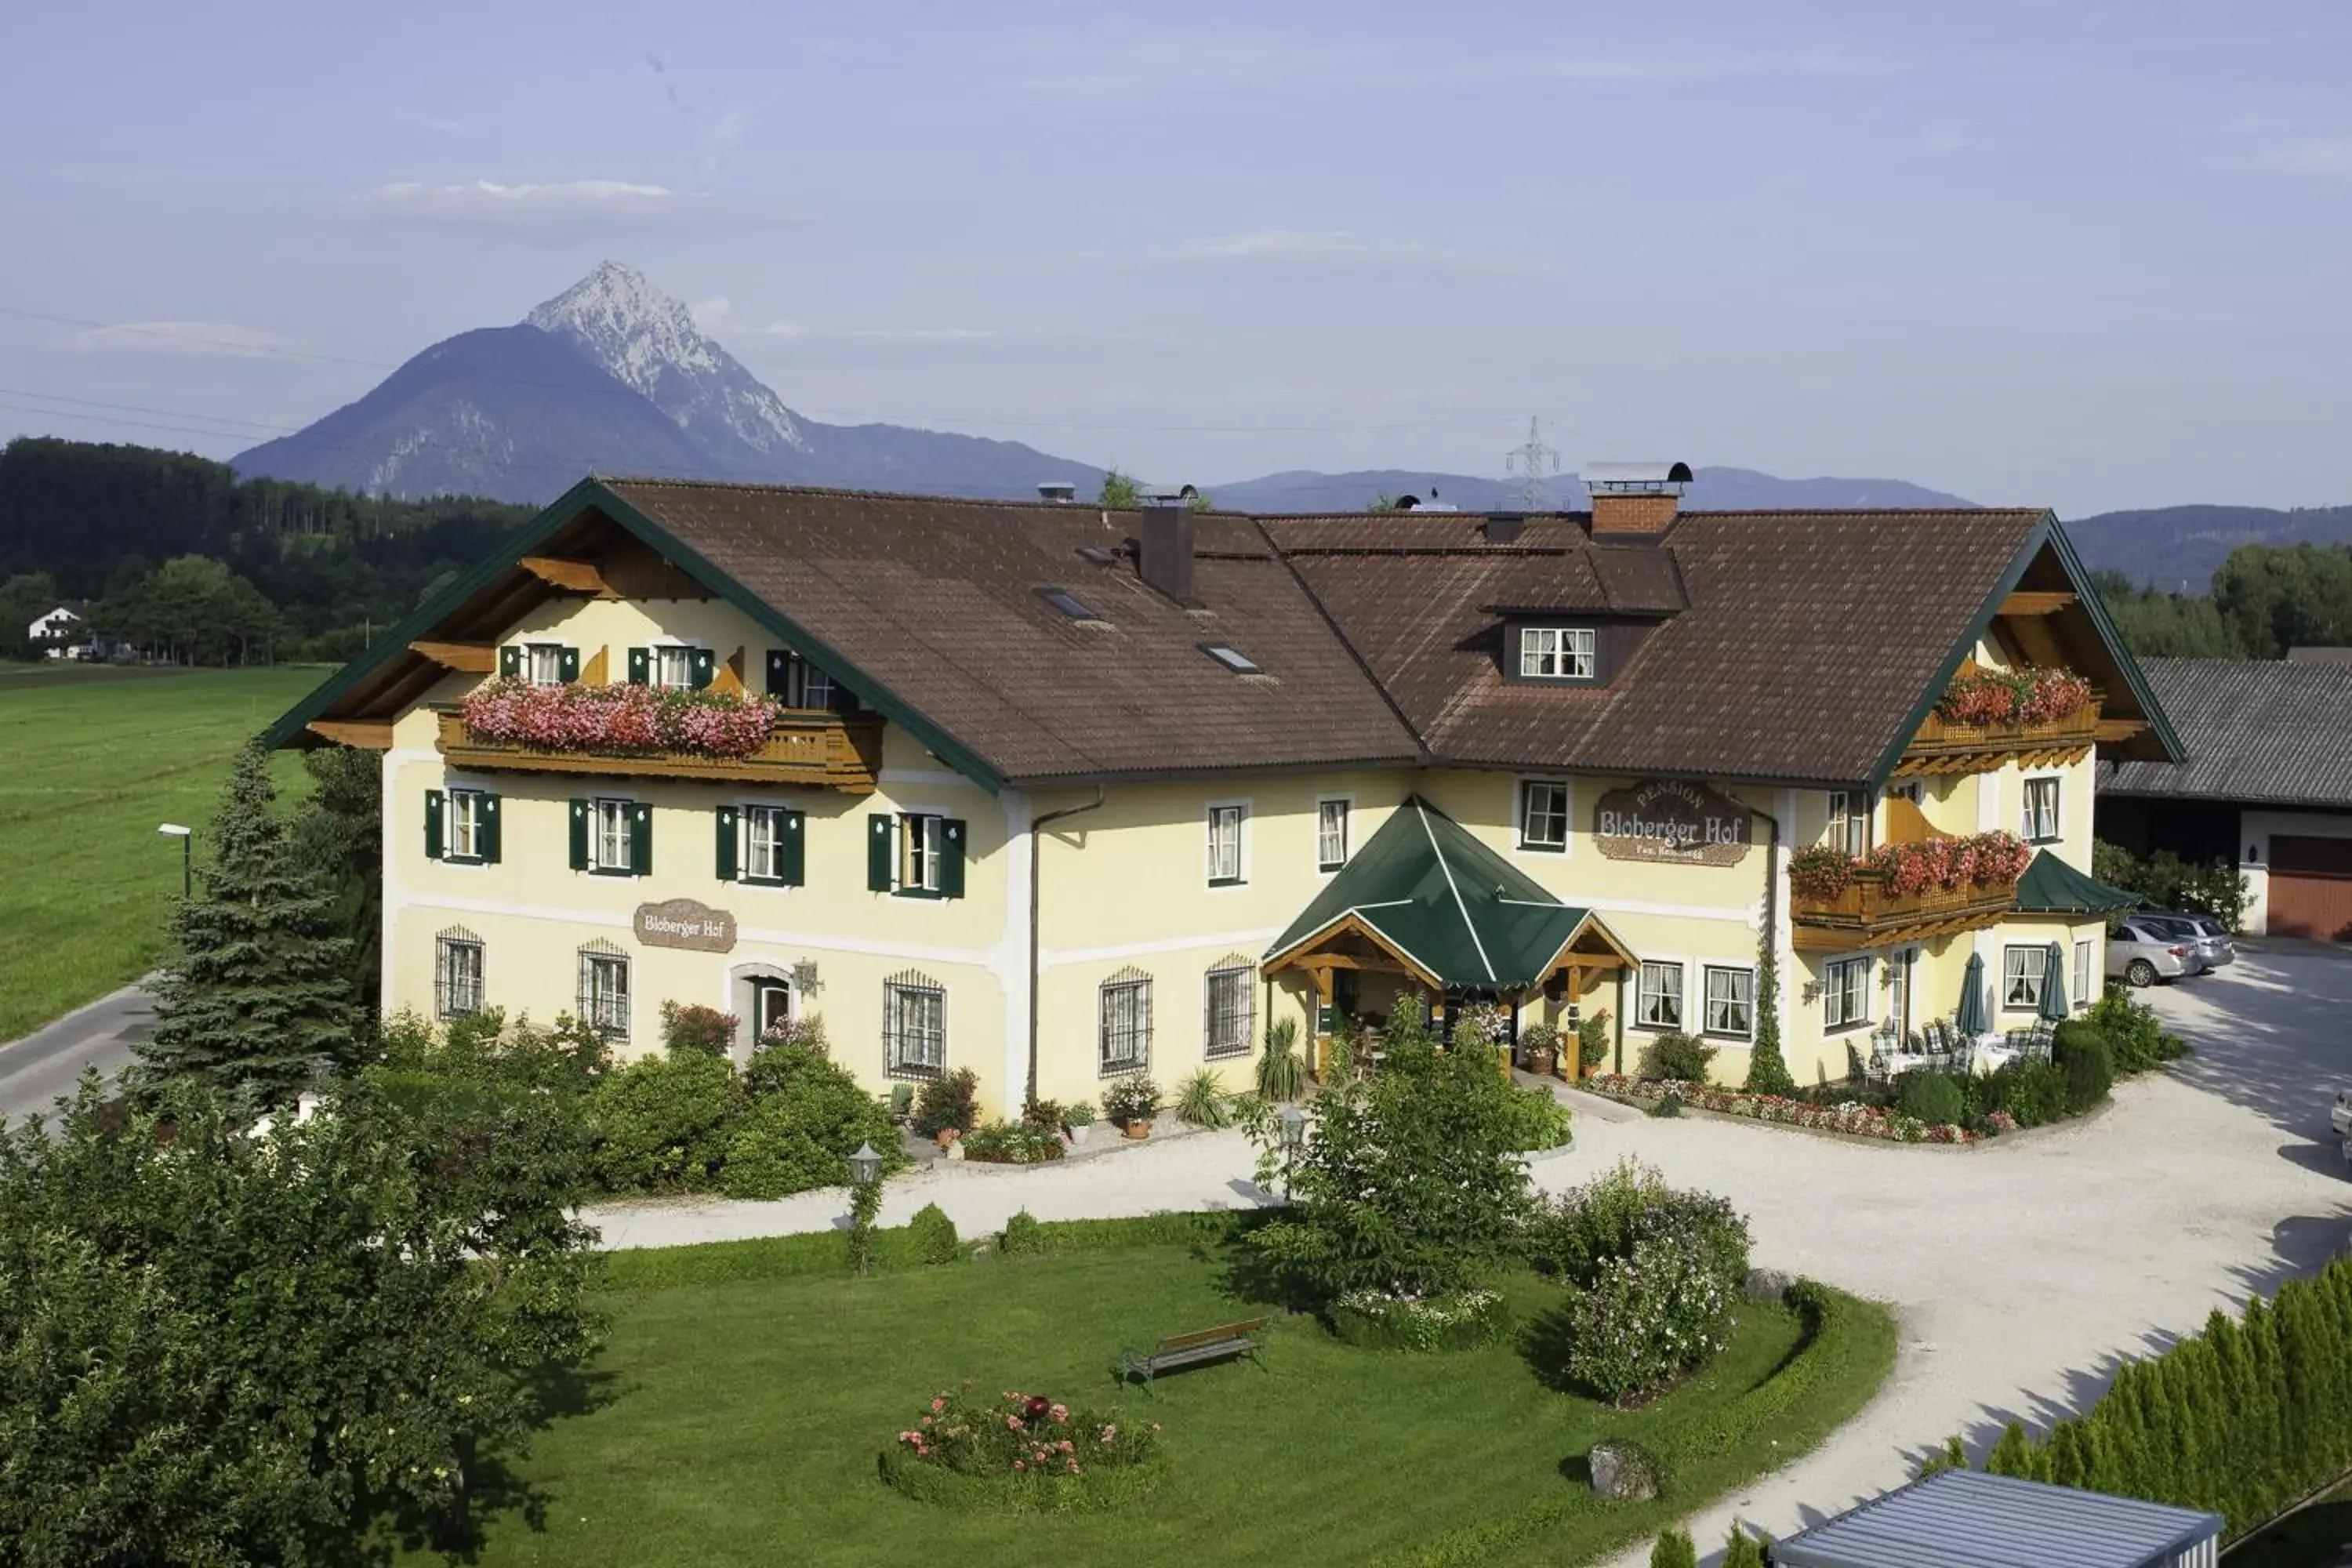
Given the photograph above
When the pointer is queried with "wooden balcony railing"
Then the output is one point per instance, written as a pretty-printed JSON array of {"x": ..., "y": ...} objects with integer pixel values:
[
  {"x": 1943, "y": 747},
  {"x": 825, "y": 751},
  {"x": 1867, "y": 915}
]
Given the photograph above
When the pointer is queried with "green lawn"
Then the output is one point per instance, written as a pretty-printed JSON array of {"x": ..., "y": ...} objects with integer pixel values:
[
  {"x": 734, "y": 1418},
  {"x": 90, "y": 760}
]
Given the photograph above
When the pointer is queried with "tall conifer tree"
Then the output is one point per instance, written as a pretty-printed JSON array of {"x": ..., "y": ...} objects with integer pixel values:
[{"x": 256, "y": 996}]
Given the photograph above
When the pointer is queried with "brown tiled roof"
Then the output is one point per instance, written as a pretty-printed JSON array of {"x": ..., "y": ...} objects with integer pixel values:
[
  {"x": 2260, "y": 731},
  {"x": 935, "y": 601}
]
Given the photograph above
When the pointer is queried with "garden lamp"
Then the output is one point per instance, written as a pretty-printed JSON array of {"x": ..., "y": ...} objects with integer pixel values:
[
  {"x": 865, "y": 1165},
  {"x": 187, "y": 837}
]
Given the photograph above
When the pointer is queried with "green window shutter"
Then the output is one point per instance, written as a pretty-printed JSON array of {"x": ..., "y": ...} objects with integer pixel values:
[
  {"x": 779, "y": 672},
  {"x": 951, "y": 836},
  {"x": 486, "y": 827},
  {"x": 509, "y": 663},
  {"x": 568, "y": 664},
  {"x": 641, "y": 666},
  {"x": 433, "y": 804},
  {"x": 705, "y": 667},
  {"x": 881, "y": 841},
  {"x": 726, "y": 843},
  {"x": 641, "y": 840},
  {"x": 580, "y": 813},
  {"x": 794, "y": 858}
]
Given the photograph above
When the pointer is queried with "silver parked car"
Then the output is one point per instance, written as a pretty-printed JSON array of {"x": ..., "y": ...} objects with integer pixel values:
[
  {"x": 2140, "y": 953},
  {"x": 2214, "y": 948}
]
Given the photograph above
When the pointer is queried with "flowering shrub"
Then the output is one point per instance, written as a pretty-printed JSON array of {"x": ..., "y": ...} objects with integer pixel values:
[
  {"x": 1450, "y": 1323},
  {"x": 697, "y": 1030},
  {"x": 2026, "y": 696},
  {"x": 1013, "y": 1144},
  {"x": 1028, "y": 1452},
  {"x": 618, "y": 718},
  {"x": 1818, "y": 871},
  {"x": 1857, "y": 1117}
]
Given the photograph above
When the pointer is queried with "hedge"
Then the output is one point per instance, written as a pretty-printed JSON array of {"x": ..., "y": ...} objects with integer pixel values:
[{"x": 2242, "y": 1421}]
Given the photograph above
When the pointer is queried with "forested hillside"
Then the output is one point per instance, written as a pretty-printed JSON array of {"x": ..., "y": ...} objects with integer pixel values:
[
  {"x": 86, "y": 522},
  {"x": 2265, "y": 600}
]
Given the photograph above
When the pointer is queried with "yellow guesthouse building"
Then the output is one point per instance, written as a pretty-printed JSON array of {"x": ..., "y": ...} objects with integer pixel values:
[{"x": 1056, "y": 793}]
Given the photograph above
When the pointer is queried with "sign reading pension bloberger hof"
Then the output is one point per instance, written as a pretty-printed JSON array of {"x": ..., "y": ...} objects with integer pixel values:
[
  {"x": 684, "y": 922},
  {"x": 1673, "y": 823}
]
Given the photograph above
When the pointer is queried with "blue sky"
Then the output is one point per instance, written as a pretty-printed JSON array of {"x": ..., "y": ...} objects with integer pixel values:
[{"x": 2076, "y": 255}]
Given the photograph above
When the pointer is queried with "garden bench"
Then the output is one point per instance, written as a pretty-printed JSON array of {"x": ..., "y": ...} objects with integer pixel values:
[{"x": 1196, "y": 1349}]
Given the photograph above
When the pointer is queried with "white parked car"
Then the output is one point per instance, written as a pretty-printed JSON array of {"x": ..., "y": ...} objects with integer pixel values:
[{"x": 2339, "y": 1116}]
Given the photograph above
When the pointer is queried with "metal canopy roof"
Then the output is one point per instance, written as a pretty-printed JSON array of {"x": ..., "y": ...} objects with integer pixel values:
[
  {"x": 2049, "y": 886},
  {"x": 1961, "y": 1519},
  {"x": 1448, "y": 903}
]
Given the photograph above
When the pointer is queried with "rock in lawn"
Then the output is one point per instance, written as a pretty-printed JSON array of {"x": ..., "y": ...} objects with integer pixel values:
[
  {"x": 1623, "y": 1472},
  {"x": 1769, "y": 1284}
]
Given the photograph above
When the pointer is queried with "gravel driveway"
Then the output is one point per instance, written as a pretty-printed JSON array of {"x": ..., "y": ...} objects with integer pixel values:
[{"x": 2021, "y": 1271}]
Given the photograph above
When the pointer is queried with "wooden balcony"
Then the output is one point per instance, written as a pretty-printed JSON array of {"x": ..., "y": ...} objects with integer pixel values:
[
  {"x": 1867, "y": 915},
  {"x": 809, "y": 751},
  {"x": 1943, "y": 747}
]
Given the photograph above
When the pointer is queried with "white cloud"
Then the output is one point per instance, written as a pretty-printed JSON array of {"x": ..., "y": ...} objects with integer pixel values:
[
  {"x": 559, "y": 212},
  {"x": 1325, "y": 253},
  {"x": 796, "y": 332},
  {"x": 179, "y": 340},
  {"x": 2319, "y": 157},
  {"x": 708, "y": 313}
]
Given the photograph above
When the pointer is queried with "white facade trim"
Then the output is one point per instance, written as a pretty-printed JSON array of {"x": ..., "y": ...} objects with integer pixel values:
[
  {"x": 1257, "y": 937},
  {"x": 913, "y": 952},
  {"x": 1009, "y": 959}
]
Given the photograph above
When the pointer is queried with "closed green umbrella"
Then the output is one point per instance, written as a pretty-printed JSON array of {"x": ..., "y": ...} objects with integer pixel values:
[
  {"x": 2054, "y": 987},
  {"x": 1975, "y": 1014}
]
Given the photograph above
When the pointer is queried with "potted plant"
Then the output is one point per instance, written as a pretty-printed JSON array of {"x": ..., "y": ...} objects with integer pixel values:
[
  {"x": 1078, "y": 1121},
  {"x": 1131, "y": 1102},
  {"x": 1592, "y": 1044},
  {"x": 1539, "y": 1048}
]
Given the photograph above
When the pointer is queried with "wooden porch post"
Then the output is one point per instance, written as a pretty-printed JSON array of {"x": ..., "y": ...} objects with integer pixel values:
[
  {"x": 1322, "y": 974},
  {"x": 1574, "y": 1043}
]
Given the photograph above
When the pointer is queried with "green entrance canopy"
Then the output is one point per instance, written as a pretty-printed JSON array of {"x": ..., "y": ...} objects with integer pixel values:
[
  {"x": 2051, "y": 886},
  {"x": 1446, "y": 905}
]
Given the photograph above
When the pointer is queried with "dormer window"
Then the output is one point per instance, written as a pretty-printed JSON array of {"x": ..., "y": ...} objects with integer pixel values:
[{"x": 1557, "y": 653}]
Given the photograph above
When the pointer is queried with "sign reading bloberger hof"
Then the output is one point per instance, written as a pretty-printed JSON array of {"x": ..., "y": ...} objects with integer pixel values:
[
  {"x": 1674, "y": 823},
  {"x": 684, "y": 922}
]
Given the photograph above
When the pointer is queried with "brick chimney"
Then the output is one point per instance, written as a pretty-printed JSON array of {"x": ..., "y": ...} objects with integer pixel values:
[{"x": 1634, "y": 498}]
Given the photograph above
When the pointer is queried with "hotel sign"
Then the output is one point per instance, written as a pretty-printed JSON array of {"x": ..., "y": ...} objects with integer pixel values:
[
  {"x": 1672, "y": 823},
  {"x": 684, "y": 922}
]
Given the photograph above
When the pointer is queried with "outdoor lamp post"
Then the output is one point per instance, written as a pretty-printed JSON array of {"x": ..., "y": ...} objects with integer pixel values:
[
  {"x": 865, "y": 1204},
  {"x": 187, "y": 837},
  {"x": 866, "y": 1166},
  {"x": 1294, "y": 1137}
]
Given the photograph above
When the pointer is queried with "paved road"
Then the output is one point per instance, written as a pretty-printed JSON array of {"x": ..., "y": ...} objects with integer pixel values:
[
  {"x": 46, "y": 1064},
  {"x": 2021, "y": 1271}
]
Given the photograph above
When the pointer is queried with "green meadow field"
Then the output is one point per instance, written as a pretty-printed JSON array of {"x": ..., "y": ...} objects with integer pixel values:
[{"x": 91, "y": 760}]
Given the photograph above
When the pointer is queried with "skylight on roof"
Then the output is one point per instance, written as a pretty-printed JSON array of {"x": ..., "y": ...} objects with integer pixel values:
[
  {"x": 1101, "y": 556},
  {"x": 1069, "y": 604},
  {"x": 1231, "y": 657}
]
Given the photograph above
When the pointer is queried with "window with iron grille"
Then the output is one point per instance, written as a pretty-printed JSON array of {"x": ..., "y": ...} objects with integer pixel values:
[
  {"x": 914, "y": 1026},
  {"x": 1845, "y": 993},
  {"x": 1731, "y": 1001},
  {"x": 1228, "y": 1008},
  {"x": 456, "y": 975},
  {"x": 1543, "y": 814},
  {"x": 1658, "y": 999},
  {"x": 604, "y": 992},
  {"x": 1126, "y": 1040}
]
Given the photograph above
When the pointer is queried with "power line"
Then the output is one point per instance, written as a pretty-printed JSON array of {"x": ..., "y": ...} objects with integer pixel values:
[{"x": 1531, "y": 461}]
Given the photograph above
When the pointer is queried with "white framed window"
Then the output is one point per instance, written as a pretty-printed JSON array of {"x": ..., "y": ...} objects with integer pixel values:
[
  {"x": 2084, "y": 986},
  {"x": 1331, "y": 824},
  {"x": 1226, "y": 825},
  {"x": 807, "y": 685},
  {"x": 2023, "y": 969},
  {"x": 1900, "y": 966},
  {"x": 1731, "y": 1001},
  {"x": 1849, "y": 829},
  {"x": 1543, "y": 814},
  {"x": 1126, "y": 1036},
  {"x": 456, "y": 975},
  {"x": 542, "y": 663},
  {"x": 914, "y": 1025},
  {"x": 764, "y": 828},
  {"x": 609, "y": 835},
  {"x": 1658, "y": 996},
  {"x": 1845, "y": 993},
  {"x": 1228, "y": 1008},
  {"x": 673, "y": 667},
  {"x": 604, "y": 992},
  {"x": 771, "y": 1006},
  {"x": 922, "y": 844},
  {"x": 1557, "y": 653},
  {"x": 2041, "y": 810},
  {"x": 466, "y": 831}
]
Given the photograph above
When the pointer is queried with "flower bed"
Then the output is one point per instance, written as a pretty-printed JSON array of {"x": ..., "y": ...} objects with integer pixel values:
[
  {"x": 1450, "y": 1323},
  {"x": 2030, "y": 694},
  {"x": 1857, "y": 1117},
  {"x": 1025, "y": 1452},
  {"x": 621, "y": 718},
  {"x": 1012, "y": 1144}
]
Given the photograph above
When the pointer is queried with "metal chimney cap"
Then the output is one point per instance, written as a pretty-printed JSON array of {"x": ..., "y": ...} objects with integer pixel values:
[
  {"x": 1633, "y": 475},
  {"x": 1057, "y": 491}
]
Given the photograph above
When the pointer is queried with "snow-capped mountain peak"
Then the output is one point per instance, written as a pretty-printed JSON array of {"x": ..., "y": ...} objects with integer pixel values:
[{"x": 648, "y": 341}]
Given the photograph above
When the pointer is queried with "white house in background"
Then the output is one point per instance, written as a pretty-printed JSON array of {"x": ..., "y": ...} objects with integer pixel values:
[{"x": 58, "y": 630}]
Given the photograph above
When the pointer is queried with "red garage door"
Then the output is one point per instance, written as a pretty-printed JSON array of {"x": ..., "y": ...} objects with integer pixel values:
[{"x": 2311, "y": 887}]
